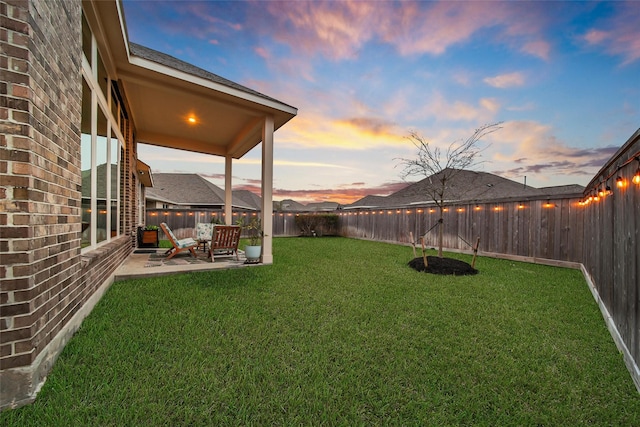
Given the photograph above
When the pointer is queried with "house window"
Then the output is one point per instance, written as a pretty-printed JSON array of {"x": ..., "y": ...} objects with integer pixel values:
[
  {"x": 140, "y": 195},
  {"x": 101, "y": 147},
  {"x": 114, "y": 190},
  {"x": 85, "y": 165},
  {"x": 86, "y": 39}
]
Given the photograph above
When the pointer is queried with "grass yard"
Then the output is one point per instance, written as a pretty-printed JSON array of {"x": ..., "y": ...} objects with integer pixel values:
[{"x": 342, "y": 332}]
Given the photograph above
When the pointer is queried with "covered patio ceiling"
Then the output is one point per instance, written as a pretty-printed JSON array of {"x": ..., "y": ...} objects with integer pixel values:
[{"x": 177, "y": 105}]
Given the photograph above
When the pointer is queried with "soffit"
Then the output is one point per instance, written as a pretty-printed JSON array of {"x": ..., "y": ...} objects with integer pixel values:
[{"x": 144, "y": 173}]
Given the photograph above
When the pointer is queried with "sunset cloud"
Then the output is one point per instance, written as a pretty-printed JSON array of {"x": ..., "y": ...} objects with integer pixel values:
[
  {"x": 504, "y": 81},
  {"x": 347, "y": 134},
  {"x": 370, "y": 125},
  {"x": 536, "y": 151},
  {"x": 262, "y": 53},
  {"x": 343, "y": 194},
  {"x": 290, "y": 163},
  {"x": 335, "y": 29},
  {"x": 443, "y": 109},
  {"x": 620, "y": 34},
  {"x": 339, "y": 30},
  {"x": 539, "y": 48},
  {"x": 596, "y": 36}
]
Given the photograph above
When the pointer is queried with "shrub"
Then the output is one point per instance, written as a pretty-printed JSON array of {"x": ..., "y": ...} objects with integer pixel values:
[{"x": 317, "y": 224}]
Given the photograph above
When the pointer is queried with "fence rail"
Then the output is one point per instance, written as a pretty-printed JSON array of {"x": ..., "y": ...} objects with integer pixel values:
[
  {"x": 183, "y": 221},
  {"x": 612, "y": 248},
  {"x": 549, "y": 229}
]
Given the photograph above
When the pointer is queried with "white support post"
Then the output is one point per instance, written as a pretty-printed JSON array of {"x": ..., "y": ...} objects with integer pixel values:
[
  {"x": 228, "y": 193},
  {"x": 267, "y": 190}
]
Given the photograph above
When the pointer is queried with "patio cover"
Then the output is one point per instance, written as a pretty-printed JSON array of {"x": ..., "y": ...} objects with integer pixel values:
[{"x": 163, "y": 93}]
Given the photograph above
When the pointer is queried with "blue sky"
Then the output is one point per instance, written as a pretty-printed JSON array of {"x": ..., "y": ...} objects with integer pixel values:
[{"x": 562, "y": 77}]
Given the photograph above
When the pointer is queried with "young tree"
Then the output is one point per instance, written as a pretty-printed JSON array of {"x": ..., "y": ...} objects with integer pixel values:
[{"x": 442, "y": 167}]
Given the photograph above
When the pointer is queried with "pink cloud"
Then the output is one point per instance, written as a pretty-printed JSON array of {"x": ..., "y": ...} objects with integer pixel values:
[
  {"x": 338, "y": 30},
  {"x": 262, "y": 52},
  {"x": 335, "y": 29},
  {"x": 441, "y": 108},
  {"x": 207, "y": 24},
  {"x": 539, "y": 48},
  {"x": 620, "y": 35},
  {"x": 344, "y": 194},
  {"x": 201, "y": 11},
  {"x": 290, "y": 66},
  {"x": 537, "y": 151},
  {"x": 370, "y": 125},
  {"x": 504, "y": 81},
  {"x": 432, "y": 30},
  {"x": 596, "y": 36}
]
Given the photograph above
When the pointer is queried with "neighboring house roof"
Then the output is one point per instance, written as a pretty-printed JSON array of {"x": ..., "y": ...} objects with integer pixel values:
[
  {"x": 322, "y": 206},
  {"x": 369, "y": 202},
  {"x": 562, "y": 189},
  {"x": 101, "y": 179},
  {"x": 188, "y": 189},
  {"x": 289, "y": 205},
  {"x": 465, "y": 185},
  {"x": 251, "y": 198}
]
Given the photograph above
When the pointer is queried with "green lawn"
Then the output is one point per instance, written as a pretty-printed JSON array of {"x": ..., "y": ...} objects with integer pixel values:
[{"x": 341, "y": 332}]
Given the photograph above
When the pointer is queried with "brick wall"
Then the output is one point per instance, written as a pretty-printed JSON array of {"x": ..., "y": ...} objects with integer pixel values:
[{"x": 46, "y": 285}]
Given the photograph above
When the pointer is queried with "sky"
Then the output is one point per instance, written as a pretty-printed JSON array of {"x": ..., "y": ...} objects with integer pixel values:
[{"x": 561, "y": 78}]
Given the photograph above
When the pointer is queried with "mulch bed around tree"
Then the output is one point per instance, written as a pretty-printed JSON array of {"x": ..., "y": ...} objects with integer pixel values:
[{"x": 445, "y": 266}]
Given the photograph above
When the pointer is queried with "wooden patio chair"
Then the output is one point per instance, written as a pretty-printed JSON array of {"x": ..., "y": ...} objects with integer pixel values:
[
  {"x": 225, "y": 240},
  {"x": 181, "y": 245}
]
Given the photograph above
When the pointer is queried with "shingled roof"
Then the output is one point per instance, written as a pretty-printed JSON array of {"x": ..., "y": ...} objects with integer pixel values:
[
  {"x": 251, "y": 198},
  {"x": 464, "y": 186},
  {"x": 369, "y": 202},
  {"x": 177, "y": 64},
  {"x": 289, "y": 205},
  {"x": 189, "y": 189},
  {"x": 562, "y": 189}
]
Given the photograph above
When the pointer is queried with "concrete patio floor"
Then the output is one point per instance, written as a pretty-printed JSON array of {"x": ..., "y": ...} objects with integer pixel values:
[{"x": 153, "y": 263}]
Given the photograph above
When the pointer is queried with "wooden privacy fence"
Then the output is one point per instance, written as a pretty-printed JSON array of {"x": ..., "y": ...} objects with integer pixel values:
[
  {"x": 611, "y": 255},
  {"x": 548, "y": 228},
  {"x": 183, "y": 221}
]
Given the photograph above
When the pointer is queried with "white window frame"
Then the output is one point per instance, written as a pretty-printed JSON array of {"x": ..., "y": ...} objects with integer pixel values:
[{"x": 98, "y": 100}]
